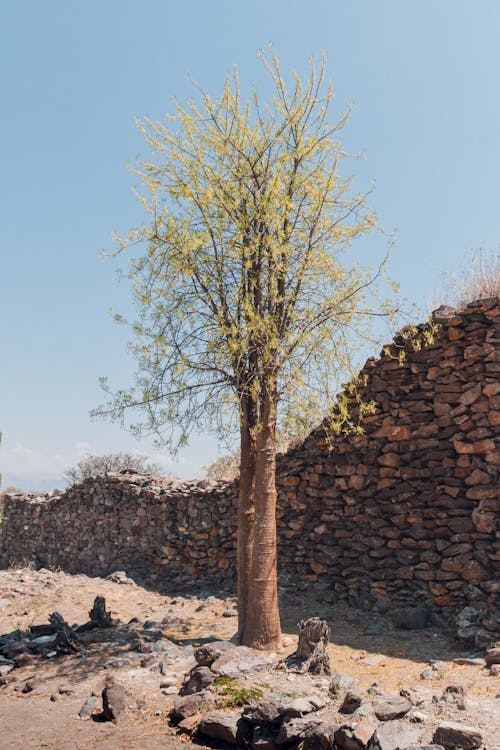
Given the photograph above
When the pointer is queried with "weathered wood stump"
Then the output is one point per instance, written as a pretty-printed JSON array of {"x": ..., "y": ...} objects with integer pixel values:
[
  {"x": 311, "y": 655},
  {"x": 99, "y": 615},
  {"x": 66, "y": 641}
]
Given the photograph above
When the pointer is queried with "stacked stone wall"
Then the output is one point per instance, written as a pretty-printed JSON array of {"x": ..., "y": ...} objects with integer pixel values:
[{"x": 408, "y": 510}]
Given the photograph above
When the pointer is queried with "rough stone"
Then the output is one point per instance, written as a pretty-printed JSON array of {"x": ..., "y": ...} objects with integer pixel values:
[
  {"x": 189, "y": 705},
  {"x": 394, "y": 735},
  {"x": 239, "y": 661},
  {"x": 393, "y": 707},
  {"x": 196, "y": 680},
  {"x": 453, "y": 735},
  {"x": 114, "y": 700},
  {"x": 226, "y": 726}
]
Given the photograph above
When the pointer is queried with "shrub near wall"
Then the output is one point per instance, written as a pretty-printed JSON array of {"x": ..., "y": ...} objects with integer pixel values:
[{"x": 408, "y": 511}]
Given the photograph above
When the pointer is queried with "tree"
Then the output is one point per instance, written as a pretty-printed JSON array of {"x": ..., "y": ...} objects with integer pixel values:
[
  {"x": 94, "y": 465},
  {"x": 244, "y": 304}
]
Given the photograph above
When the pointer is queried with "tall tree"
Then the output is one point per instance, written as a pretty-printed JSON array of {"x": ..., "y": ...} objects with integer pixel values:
[{"x": 244, "y": 303}]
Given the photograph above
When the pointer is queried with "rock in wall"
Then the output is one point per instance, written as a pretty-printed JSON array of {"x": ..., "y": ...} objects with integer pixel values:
[{"x": 408, "y": 510}]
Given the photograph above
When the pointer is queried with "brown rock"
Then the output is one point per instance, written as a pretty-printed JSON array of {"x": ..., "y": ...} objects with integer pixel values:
[
  {"x": 452, "y": 735},
  {"x": 113, "y": 700}
]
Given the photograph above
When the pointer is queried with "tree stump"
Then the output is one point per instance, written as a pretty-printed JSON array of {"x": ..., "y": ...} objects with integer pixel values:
[
  {"x": 99, "y": 615},
  {"x": 66, "y": 641},
  {"x": 311, "y": 655}
]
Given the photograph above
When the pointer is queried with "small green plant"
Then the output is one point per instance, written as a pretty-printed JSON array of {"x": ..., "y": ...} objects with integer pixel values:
[{"x": 234, "y": 696}]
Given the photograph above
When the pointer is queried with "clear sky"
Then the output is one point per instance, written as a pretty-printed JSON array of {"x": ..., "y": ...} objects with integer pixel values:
[{"x": 424, "y": 77}]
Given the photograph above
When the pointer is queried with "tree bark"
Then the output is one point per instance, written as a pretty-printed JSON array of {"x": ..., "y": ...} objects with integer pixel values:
[
  {"x": 263, "y": 628},
  {"x": 246, "y": 507}
]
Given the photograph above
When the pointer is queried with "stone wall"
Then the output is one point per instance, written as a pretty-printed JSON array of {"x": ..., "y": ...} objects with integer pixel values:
[
  {"x": 407, "y": 511},
  {"x": 125, "y": 521}
]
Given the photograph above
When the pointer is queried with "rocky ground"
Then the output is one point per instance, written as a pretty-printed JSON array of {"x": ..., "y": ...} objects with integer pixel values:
[{"x": 158, "y": 678}]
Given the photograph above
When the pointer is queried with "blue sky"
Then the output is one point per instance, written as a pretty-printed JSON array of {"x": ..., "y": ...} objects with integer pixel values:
[{"x": 423, "y": 77}]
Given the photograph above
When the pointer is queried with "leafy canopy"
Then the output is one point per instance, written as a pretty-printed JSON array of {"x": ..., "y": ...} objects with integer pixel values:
[{"x": 241, "y": 286}]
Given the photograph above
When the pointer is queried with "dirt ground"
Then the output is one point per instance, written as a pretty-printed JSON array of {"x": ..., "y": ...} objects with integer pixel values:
[{"x": 47, "y": 717}]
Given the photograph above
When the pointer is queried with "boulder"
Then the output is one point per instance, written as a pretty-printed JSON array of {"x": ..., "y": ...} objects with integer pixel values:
[
  {"x": 226, "y": 726},
  {"x": 239, "y": 661},
  {"x": 452, "y": 735},
  {"x": 394, "y": 735},
  {"x": 392, "y": 707},
  {"x": 301, "y": 706},
  {"x": 188, "y": 705},
  {"x": 295, "y": 729},
  {"x": 319, "y": 738},
  {"x": 113, "y": 700},
  {"x": 88, "y": 708},
  {"x": 197, "y": 680},
  {"x": 355, "y": 734},
  {"x": 341, "y": 683},
  {"x": 205, "y": 655},
  {"x": 352, "y": 701},
  {"x": 275, "y": 708}
]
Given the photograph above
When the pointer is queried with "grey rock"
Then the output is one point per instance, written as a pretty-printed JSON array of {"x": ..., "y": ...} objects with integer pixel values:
[
  {"x": 341, "y": 683},
  {"x": 226, "y": 726},
  {"x": 427, "y": 674},
  {"x": 188, "y": 705},
  {"x": 452, "y": 735},
  {"x": 351, "y": 702},
  {"x": 88, "y": 707},
  {"x": 198, "y": 679},
  {"x": 355, "y": 734},
  {"x": 5, "y": 668},
  {"x": 301, "y": 706},
  {"x": 417, "y": 717},
  {"x": 394, "y": 735},
  {"x": 296, "y": 728},
  {"x": 393, "y": 707},
  {"x": 205, "y": 655},
  {"x": 373, "y": 661},
  {"x": 114, "y": 700},
  {"x": 266, "y": 711},
  {"x": 275, "y": 707},
  {"x": 239, "y": 661}
]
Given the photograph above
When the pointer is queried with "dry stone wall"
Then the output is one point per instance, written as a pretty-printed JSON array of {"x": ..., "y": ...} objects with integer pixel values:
[
  {"x": 408, "y": 510},
  {"x": 173, "y": 531}
]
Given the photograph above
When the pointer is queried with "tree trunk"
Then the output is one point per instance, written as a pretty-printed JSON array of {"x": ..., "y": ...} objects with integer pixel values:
[
  {"x": 246, "y": 506},
  {"x": 263, "y": 628}
]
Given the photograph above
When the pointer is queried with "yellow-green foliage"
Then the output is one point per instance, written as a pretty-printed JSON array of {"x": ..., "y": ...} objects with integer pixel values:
[
  {"x": 242, "y": 284},
  {"x": 235, "y": 696}
]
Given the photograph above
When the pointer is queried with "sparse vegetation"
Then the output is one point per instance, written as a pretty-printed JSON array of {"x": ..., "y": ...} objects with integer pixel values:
[
  {"x": 235, "y": 696},
  {"x": 95, "y": 465},
  {"x": 479, "y": 277}
]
